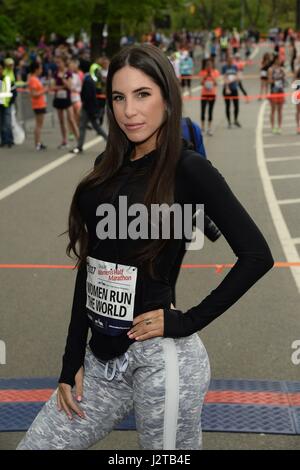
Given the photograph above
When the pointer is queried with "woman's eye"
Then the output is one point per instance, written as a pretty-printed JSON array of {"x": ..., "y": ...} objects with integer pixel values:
[
  {"x": 116, "y": 96},
  {"x": 143, "y": 94}
]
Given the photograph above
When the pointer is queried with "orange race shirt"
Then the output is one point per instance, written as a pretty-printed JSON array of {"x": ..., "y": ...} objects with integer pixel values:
[
  {"x": 209, "y": 85},
  {"x": 35, "y": 84}
]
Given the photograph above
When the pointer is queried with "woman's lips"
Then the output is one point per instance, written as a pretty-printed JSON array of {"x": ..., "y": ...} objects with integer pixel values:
[{"x": 133, "y": 127}]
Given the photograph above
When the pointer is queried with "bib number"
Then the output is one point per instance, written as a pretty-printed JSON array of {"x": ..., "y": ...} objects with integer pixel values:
[
  {"x": 278, "y": 84},
  {"x": 110, "y": 294},
  {"x": 208, "y": 84}
]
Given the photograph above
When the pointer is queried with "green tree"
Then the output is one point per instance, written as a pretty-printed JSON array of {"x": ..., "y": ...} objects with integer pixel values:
[
  {"x": 8, "y": 32},
  {"x": 36, "y": 17}
]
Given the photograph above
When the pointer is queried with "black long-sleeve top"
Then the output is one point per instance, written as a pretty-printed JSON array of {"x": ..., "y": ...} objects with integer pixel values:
[{"x": 196, "y": 181}]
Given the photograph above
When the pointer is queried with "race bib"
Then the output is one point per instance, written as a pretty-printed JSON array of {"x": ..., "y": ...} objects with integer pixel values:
[
  {"x": 278, "y": 84},
  {"x": 231, "y": 77},
  {"x": 62, "y": 94},
  {"x": 110, "y": 295},
  {"x": 263, "y": 73},
  {"x": 208, "y": 84}
]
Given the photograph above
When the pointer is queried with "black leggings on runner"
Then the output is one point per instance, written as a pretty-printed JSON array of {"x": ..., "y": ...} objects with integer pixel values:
[
  {"x": 231, "y": 98},
  {"x": 210, "y": 102}
]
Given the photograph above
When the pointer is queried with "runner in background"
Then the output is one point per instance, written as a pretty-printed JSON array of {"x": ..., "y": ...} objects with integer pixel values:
[
  {"x": 230, "y": 91},
  {"x": 186, "y": 69},
  {"x": 265, "y": 65},
  {"x": 62, "y": 100},
  {"x": 276, "y": 79},
  {"x": 209, "y": 77},
  {"x": 76, "y": 89},
  {"x": 38, "y": 102}
]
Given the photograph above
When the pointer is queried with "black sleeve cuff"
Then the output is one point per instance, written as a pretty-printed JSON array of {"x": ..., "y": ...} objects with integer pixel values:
[
  {"x": 173, "y": 323},
  {"x": 67, "y": 375}
]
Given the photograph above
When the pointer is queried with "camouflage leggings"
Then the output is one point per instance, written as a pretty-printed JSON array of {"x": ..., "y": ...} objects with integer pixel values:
[{"x": 163, "y": 379}]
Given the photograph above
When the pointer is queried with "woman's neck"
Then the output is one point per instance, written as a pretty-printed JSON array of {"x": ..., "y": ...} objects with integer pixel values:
[{"x": 136, "y": 154}]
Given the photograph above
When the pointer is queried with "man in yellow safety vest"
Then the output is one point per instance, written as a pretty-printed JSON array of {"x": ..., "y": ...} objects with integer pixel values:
[{"x": 5, "y": 110}]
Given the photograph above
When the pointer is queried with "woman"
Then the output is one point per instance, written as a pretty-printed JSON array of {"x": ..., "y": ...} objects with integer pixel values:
[
  {"x": 265, "y": 65},
  {"x": 38, "y": 102},
  {"x": 209, "y": 83},
  {"x": 62, "y": 100},
  {"x": 276, "y": 80},
  {"x": 76, "y": 89},
  {"x": 145, "y": 353}
]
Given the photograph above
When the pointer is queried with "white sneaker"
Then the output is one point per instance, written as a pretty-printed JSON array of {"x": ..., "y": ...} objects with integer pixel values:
[
  {"x": 41, "y": 147},
  {"x": 209, "y": 132}
]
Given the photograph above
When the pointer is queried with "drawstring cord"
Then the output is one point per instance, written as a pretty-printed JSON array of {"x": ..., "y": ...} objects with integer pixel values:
[{"x": 116, "y": 362}]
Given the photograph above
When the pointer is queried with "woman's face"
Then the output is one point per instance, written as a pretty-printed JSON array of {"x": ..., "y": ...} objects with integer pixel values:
[{"x": 138, "y": 105}]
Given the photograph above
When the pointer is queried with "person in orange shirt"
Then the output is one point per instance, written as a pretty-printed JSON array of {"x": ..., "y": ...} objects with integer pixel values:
[
  {"x": 209, "y": 77},
  {"x": 38, "y": 102}
]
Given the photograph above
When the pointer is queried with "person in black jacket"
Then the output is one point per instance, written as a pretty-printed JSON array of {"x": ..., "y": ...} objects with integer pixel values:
[
  {"x": 143, "y": 353},
  {"x": 89, "y": 111}
]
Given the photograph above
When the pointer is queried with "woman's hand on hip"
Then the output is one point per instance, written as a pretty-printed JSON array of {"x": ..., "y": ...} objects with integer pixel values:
[
  {"x": 65, "y": 400},
  {"x": 147, "y": 325}
]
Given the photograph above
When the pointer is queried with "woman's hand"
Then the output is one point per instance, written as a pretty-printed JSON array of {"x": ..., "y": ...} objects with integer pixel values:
[
  {"x": 148, "y": 325},
  {"x": 65, "y": 399}
]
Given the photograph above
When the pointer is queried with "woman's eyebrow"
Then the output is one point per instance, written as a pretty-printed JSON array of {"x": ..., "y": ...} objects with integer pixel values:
[{"x": 134, "y": 91}]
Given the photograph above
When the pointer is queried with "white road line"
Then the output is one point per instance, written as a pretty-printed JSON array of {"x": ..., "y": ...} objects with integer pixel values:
[
  {"x": 43, "y": 171},
  {"x": 281, "y": 159},
  {"x": 288, "y": 201},
  {"x": 281, "y": 177},
  {"x": 281, "y": 227},
  {"x": 254, "y": 53},
  {"x": 290, "y": 144},
  {"x": 296, "y": 240}
]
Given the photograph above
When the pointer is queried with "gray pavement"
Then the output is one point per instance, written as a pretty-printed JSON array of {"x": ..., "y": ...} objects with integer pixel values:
[{"x": 252, "y": 340}]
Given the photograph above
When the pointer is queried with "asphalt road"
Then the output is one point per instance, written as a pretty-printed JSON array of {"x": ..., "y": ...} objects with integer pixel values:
[{"x": 252, "y": 340}]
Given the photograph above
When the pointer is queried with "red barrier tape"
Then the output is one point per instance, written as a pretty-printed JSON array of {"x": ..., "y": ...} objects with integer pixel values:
[{"x": 218, "y": 267}]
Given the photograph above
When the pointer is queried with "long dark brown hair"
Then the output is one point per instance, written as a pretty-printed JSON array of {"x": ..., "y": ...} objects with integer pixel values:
[{"x": 151, "y": 61}]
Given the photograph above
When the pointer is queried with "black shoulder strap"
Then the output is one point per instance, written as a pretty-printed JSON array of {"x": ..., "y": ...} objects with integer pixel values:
[{"x": 191, "y": 131}]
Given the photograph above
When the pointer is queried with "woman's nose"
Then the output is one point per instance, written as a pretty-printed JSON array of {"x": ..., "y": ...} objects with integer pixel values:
[{"x": 129, "y": 109}]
